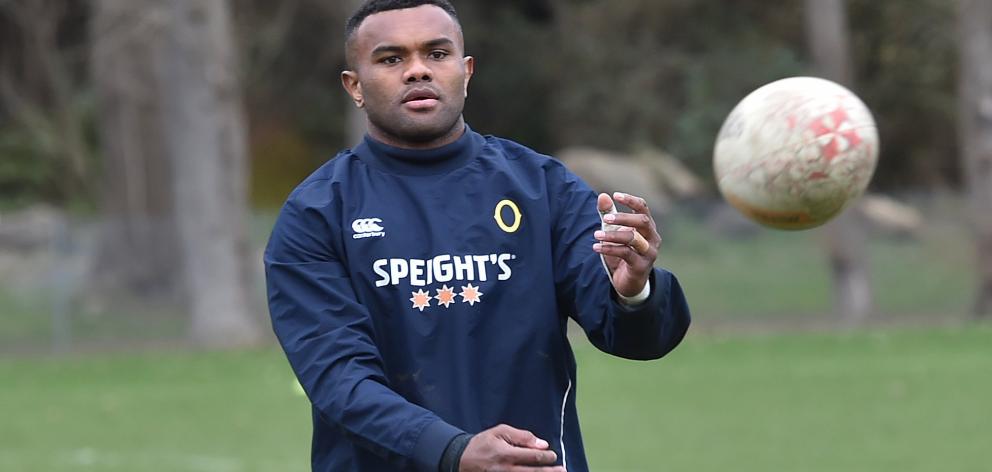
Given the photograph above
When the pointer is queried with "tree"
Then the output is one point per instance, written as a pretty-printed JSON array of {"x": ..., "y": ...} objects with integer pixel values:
[
  {"x": 139, "y": 241},
  {"x": 355, "y": 124},
  {"x": 827, "y": 33},
  {"x": 205, "y": 139},
  {"x": 173, "y": 132},
  {"x": 975, "y": 133}
]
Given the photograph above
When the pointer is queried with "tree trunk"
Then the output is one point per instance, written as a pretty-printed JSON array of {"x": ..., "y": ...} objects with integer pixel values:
[
  {"x": 355, "y": 120},
  {"x": 138, "y": 236},
  {"x": 205, "y": 136},
  {"x": 975, "y": 134},
  {"x": 356, "y": 123},
  {"x": 844, "y": 238}
]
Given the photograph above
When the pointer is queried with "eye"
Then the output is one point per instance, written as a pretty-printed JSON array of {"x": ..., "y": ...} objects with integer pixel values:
[
  {"x": 390, "y": 60},
  {"x": 438, "y": 55}
]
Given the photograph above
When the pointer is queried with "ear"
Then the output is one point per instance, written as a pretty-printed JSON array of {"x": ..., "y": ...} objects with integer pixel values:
[
  {"x": 349, "y": 79},
  {"x": 469, "y": 69}
]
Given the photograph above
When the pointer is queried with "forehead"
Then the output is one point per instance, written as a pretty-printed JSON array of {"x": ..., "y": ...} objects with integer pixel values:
[{"x": 406, "y": 27}]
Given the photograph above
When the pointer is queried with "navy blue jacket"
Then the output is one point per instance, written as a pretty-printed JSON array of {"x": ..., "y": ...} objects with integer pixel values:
[{"x": 422, "y": 294}]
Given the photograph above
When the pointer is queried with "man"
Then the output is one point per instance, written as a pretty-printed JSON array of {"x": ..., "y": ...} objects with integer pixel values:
[{"x": 421, "y": 282}]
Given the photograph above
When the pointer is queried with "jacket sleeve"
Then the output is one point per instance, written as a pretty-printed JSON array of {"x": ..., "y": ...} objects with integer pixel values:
[
  {"x": 648, "y": 330},
  {"x": 329, "y": 340}
]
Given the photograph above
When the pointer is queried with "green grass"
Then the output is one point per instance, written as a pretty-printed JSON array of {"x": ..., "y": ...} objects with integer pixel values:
[
  {"x": 933, "y": 275},
  {"x": 880, "y": 401},
  {"x": 906, "y": 400},
  {"x": 153, "y": 412},
  {"x": 27, "y": 323},
  {"x": 769, "y": 277},
  {"x": 781, "y": 274},
  {"x": 24, "y": 316},
  {"x": 772, "y": 274}
]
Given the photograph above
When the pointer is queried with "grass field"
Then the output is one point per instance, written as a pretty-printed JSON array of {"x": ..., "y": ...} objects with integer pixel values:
[
  {"x": 896, "y": 400},
  {"x": 770, "y": 277},
  {"x": 781, "y": 274}
]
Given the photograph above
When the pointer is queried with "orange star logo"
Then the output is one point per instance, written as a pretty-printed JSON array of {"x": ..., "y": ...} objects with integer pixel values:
[
  {"x": 421, "y": 299},
  {"x": 470, "y": 294},
  {"x": 445, "y": 296}
]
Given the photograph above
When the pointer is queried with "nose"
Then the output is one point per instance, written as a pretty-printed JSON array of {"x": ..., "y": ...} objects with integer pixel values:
[{"x": 418, "y": 72}]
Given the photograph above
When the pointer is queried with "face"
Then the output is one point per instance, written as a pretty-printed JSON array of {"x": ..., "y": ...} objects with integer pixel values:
[{"x": 410, "y": 75}]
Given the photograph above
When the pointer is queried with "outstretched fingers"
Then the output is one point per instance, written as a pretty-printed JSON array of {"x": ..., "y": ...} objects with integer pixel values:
[
  {"x": 640, "y": 220},
  {"x": 641, "y": 263},
  {"x": 632, "y": 237}
]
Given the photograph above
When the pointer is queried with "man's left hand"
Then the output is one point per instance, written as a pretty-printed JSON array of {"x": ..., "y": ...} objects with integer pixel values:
[{"x": 629, "y": 244}]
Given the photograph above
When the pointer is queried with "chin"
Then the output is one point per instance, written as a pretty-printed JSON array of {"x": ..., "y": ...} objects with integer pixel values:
[
  {"x": 424, "y": 132},
  {"x": 413, "y": 127}
]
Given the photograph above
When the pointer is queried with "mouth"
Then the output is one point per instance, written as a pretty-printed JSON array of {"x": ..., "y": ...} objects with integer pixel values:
[{"x": 420, "y": 97}]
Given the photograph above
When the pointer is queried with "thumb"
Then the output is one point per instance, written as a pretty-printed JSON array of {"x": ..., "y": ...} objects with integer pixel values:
[
  {"x": 522, "y": 438},
  {"x": 605, "y": 204}
]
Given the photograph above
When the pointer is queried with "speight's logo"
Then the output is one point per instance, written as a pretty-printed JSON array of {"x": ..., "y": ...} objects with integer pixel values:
[
  {"x": 444, "y": 269},
  {"x": 367, "y": 228}
]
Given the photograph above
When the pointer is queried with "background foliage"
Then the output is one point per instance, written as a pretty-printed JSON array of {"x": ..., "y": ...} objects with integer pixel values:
[{"x": 616, "y": 74}]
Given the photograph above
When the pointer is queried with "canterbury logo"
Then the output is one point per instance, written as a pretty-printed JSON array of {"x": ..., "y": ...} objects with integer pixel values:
[{"x": 367, "y": 228}]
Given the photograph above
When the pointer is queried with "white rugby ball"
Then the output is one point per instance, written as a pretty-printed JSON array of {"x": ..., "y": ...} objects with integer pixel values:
[{"x": 795, "y": 152}]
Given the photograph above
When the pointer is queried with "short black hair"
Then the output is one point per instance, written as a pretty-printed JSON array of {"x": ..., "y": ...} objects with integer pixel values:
[{"x": 372, "y": 7}]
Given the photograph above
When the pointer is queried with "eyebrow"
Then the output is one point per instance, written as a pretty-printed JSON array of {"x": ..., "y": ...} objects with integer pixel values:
[
  {"x": 389, "y": 48},
  {"x": 439, "y": 42}
]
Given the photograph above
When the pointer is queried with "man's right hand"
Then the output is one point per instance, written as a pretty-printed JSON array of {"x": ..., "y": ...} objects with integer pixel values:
[{"x": 507, "y": 449}]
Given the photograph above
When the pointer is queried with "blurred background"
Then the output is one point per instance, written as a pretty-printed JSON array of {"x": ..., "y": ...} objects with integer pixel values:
[{"x": 147, "y": 145}]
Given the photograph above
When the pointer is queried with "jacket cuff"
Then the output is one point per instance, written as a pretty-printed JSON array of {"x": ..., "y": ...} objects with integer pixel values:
[
  {"x": 636, "y": 299},
  {"x": 431, "y": 445},
  {"x": 452, "y": 458},
  {"x": 646, "y": 306}
]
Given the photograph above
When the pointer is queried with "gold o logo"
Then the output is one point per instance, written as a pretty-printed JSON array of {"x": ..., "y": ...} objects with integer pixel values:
[{"x": 498, "y": 216}]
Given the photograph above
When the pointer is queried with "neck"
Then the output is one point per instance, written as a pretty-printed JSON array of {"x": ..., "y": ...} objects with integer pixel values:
[
  {"x": 448, "y": 137},
  {"x": 434, "y": 161}
]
